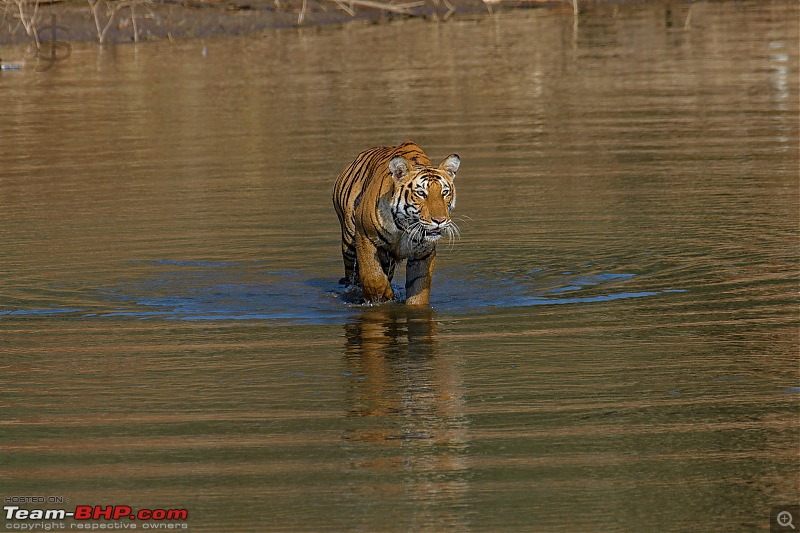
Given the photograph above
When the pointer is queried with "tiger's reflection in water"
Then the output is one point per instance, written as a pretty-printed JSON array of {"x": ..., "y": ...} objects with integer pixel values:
[{"x": 407, "y": 401}]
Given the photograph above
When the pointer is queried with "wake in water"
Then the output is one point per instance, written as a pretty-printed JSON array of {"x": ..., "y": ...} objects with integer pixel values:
[{"x": 198, "y": 290}]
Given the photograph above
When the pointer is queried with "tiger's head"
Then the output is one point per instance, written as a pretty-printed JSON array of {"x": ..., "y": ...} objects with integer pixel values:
[{"x": 424, "y": 197}]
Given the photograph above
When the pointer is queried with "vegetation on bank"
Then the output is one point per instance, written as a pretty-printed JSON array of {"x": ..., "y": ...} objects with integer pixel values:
[{"x": 106, "y": 21}]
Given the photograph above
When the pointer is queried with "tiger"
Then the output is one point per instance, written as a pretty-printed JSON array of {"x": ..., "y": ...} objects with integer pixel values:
[{"x": 394, "y": 205}]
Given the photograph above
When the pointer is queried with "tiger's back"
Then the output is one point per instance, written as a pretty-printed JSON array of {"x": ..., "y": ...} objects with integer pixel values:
[{"x": 394, "y": 205}]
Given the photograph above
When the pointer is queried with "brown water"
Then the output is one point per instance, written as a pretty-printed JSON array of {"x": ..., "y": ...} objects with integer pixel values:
[{"x": 612, "y": 345}]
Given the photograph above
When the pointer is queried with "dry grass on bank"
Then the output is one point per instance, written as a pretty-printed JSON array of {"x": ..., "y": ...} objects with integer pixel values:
[{"x": 135, "y": 20}]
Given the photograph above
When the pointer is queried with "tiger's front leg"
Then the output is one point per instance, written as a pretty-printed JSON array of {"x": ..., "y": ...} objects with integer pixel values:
[
  {"x": 419, "y": 273},
  {"x": 375, "y": 284}
]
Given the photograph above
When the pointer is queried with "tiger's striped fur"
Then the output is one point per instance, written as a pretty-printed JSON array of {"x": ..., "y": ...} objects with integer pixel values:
[{"x": 393, "y": 205}]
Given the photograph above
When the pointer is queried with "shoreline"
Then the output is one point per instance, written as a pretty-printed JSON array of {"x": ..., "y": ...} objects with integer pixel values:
[{"x": 127, "y": 21}]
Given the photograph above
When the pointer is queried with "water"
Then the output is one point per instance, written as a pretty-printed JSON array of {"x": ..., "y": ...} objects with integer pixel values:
[{"x": 612, "y": 345}]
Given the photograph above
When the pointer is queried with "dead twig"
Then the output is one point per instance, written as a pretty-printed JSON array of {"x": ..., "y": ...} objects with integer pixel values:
[
  {"x": 302, "y": 13},
  {"x": 133, "y": 20},
  {"x": 111, "y": 11},
  {"x": 344, "y": 7},
  {"x": 401, "y": 10},
  {"x": 114, "y": 7},
  {"x": 450, "y": 10},
  {"x": 29, "y": 22}
]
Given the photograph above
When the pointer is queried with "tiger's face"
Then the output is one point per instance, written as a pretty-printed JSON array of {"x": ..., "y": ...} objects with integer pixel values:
[{"x": 424, "y": 197}]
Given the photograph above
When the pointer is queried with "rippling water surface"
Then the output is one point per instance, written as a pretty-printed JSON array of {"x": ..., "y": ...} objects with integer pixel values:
[{"x": 612, "y": 344}]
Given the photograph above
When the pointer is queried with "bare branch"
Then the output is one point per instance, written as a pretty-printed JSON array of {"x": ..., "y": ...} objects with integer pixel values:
[
  {"x": 29, "y": 22},
  {"x": 400, "y": 9}
]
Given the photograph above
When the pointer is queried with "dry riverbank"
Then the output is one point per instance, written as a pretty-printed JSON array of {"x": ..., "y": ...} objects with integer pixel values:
[{"x": 118, "y": 21}]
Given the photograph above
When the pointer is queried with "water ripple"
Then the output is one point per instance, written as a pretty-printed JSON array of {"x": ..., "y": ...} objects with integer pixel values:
[{"x": 202, "y": 290}]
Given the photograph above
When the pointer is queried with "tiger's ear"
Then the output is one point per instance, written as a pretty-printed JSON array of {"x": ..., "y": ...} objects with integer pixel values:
[
  {"x": 451, "y": 164},
  {"x": 399, "y": 167}
]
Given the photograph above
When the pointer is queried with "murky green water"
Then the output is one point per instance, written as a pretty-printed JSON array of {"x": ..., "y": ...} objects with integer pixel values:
[{"x": 612, "y": 345}]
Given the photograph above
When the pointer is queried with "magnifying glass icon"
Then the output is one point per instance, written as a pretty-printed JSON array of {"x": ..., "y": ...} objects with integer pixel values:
[{"x": 785, "y": 519}]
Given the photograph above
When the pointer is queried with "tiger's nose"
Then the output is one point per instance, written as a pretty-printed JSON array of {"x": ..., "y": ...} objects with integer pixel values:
[{"x": 439, "y": 221}]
